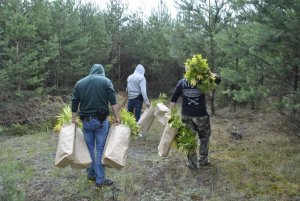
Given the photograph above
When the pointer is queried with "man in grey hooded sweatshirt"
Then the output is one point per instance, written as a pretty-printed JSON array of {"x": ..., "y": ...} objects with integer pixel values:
[{"x": 137, "y": 91}]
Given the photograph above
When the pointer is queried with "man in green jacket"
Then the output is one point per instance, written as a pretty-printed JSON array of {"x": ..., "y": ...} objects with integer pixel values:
[{"x": 93, "y": 94}]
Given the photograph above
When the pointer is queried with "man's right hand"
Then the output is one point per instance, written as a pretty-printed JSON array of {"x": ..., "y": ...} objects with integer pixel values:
[
  {"x": 74, "y": 119},
  {"x": 116, "y": 113}
]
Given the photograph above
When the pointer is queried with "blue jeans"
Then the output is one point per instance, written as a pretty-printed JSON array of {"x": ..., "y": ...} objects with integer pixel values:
[
  {"x": 95, "y": 133},
  {"x": 136, "y": 106}
]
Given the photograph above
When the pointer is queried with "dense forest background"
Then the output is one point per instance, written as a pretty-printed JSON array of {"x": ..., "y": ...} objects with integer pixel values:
[{"x": 47, "y": 45}]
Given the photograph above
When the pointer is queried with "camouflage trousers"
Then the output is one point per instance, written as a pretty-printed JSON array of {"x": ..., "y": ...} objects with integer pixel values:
[{"x": 201, "y": 126}]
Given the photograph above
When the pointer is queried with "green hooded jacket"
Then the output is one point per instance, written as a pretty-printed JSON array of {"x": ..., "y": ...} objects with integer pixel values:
[{"x": 93, "y": 92}]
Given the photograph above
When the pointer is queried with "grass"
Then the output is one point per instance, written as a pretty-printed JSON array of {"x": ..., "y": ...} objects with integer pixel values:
[{"x": 264, "y": 165}]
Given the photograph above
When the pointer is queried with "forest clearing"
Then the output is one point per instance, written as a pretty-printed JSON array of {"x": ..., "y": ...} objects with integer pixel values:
[
  {"x": 254, "y": 156},
  {"x": 232, "y": 64}
]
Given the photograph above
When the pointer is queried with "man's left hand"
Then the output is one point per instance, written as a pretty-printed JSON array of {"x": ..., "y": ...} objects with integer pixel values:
[{"x": 117, "y": 119}]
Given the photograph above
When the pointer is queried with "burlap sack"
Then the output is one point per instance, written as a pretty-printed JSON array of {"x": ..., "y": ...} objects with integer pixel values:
[
  {"x": 116, "y": 146},
  {"x": 166, "y": 140},
  {"x": 146, "y": 119},
  {"x": 65, "y": 146},
  {"x": 81, "y": 155},
  {"x": 160, "y": 112}
]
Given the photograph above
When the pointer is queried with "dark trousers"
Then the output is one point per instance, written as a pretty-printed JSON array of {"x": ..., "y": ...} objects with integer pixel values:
[{"x": 135, "y": 105}]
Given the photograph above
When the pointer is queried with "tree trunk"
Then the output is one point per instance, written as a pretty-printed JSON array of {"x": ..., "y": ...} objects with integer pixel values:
[
  {"x": 252, "y": 105},
  {"x": 18, "y": 61},
  {"x": 212, "y": 102},
  {"x": 234, "y": 106},
  {"x": 58, "y": 67},
  {"x": 212, "y": 57},
  {"x": 295, "y": 84},
  {"x": 119, "y": 67}
]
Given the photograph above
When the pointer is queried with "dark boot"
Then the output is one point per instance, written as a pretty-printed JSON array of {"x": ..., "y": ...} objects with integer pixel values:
[
  {"x": 192, "y": 161},
  {"x": 106, "y": 182},
  {"x": 203, "y": 161}
]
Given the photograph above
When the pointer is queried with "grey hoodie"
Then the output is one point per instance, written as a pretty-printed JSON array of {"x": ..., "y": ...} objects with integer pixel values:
[{"x": 136, "y": 84}]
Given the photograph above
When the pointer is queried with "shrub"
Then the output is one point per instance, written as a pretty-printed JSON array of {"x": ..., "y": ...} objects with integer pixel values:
[{"x": 18, "y": 129}]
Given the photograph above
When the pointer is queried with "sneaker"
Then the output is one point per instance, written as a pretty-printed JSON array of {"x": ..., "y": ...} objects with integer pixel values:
[
  {"x": 106, "y": 182},
  {"x": 191, "y": 166},
  {"x": 91, "y": 179},
  {"x": 204, "y": 162}
]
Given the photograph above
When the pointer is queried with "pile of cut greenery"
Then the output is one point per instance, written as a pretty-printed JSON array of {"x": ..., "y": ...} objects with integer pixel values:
[
  {"x": 64, "y": 117},
  {"x": 185, "y": 139},
  {"x": 162, "y": 98},
  {"x": 198, "y": 74},
  {"x": 128, "y": 119}
]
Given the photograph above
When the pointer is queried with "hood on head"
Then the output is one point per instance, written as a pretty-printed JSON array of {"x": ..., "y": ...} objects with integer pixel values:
[
  {"x": 140, "y": 69},
  {"x": 97, "y": 69}
]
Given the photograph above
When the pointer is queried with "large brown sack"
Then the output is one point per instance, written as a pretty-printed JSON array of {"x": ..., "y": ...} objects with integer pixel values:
[
  {"x": 146, "y": 119},
  {"x": 71, "y": 148},
  {"x": 65, "y": 146},
  {"x": 160, "y": 112},
  {"x": 116, "y": 146},
  {"x": 166, "y": 140},
  {"x": 81, "y": 155}
]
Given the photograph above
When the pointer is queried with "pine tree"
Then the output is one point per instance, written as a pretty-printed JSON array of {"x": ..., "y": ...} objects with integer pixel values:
[
  {"x": 114, "y": 21},
  {"x": 203, "y": 21},
  {"x": 72, "y": 44},
  {"x": 93, "y": 25},
  {"x": 20, "y": 57}
]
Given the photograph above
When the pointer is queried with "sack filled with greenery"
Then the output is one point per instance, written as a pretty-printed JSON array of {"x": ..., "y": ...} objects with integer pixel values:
[
  {"x": 161, "y": 111},
  {"x": 198, "y": 74},
  {"x": 118, "y": 140},
  {"x": 166, "y": 140},
  {"x": 65, "y": 117},
  {"x": 147, "y": 117},
  {"x": 128, "y": 119},
  {"x": 185, "y": 139},
  {"x": 116, "y": 146},
  {"x": 162, "y": 98}
]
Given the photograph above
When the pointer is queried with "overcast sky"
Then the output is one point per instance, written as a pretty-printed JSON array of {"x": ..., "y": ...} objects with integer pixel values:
[{"x": 146, "y": 5}]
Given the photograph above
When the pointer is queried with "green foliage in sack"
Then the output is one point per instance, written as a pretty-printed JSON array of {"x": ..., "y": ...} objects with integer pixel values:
[
  {"x": 65, "y": 117},
  {"x": 162, "y": 98},
  {"x": 198, "y": 74},
  {"x": 185, "y": 140},
  {"x": 128, "y": 119}
]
